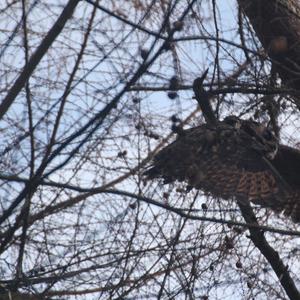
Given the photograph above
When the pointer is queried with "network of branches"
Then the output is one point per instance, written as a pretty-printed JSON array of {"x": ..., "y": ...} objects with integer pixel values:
[{"x": 90, "y": 91}]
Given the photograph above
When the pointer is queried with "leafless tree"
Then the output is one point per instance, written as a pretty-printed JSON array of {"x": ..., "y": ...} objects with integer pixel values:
[{"x": 90, "y": 91}]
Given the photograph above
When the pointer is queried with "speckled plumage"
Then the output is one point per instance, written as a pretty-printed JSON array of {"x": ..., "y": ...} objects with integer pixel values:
[{"x": 243, "y": 162}]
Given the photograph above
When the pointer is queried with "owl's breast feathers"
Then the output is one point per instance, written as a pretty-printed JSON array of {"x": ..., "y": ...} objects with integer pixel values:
[{"x": 234, "y": 159}]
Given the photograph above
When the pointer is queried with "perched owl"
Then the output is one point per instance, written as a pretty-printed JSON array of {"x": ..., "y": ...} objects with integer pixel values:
[{"x": 233, "y": 158}]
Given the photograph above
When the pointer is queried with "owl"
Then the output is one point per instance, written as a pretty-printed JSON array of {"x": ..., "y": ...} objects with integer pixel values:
[{"x": 232, "y": 159}]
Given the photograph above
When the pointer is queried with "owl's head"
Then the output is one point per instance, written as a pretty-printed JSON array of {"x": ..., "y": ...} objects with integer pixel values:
[
  {"x": 263, "y": 135},
  {"x": 233, "y": 121},
  {"x": 264, "y": 140}
]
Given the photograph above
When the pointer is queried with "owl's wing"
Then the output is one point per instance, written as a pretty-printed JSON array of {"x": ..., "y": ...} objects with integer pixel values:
[{"x": 229, "y": 163}]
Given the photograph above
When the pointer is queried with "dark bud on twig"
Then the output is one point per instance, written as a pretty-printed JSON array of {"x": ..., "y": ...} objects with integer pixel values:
[
  {"x": 238, "y": 264},
  {"x": 174, "y": 119},
  {"x": 204, "y": 206},
  {"x": 144, "y": 53},
  {"x": 174, "y": 83},
  {"x": 136, "y": 100},
  {"x": 122, "y": 153},
  {"x": 172, "y": 95},
  {"x": 178, "y": 25},
  {"x": 132, "y": 205}
]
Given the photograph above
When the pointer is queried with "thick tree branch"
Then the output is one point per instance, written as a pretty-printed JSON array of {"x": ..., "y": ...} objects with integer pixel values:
[
  {"x": 272, "y": 256},
  {"x": 37, "y": 56}
]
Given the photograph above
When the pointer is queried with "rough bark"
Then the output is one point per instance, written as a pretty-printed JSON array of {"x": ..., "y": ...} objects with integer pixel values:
[{"x": 277, "y": 25}]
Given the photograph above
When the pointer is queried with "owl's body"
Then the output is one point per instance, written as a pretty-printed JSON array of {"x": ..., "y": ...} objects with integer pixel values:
[{"x": 237, "y": 159}]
